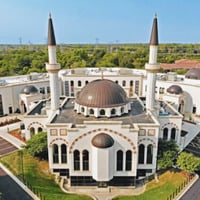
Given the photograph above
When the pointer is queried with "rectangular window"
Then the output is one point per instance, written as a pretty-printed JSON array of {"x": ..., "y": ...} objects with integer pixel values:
[
  {"x": 42, "y": 90},
  {"x": 63, "y": 132},
  {"x": 194, "y": 109},
  {"x": 48, "y": 89},
  {"x": 53, "y": 132},
  {"x": 161, "y": 90},
  {"x": 66, "y": 88},
  {"x": 137, "y": 84},
  {"x": 10, "y": 109},
  {"x": 123, "y": 83},
  {"x": 151, "y": 132},
  {"x": 142, "y": 132}
]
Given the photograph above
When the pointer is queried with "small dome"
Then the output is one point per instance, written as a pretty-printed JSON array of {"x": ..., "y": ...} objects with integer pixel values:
[
  {"x": 175, "y": 89},
  {"x": 29, "y": 89},
  {"x": 102, "y": 140},
  {"x": 102, "y": 93},
  {"x": 193, "y": 74}
]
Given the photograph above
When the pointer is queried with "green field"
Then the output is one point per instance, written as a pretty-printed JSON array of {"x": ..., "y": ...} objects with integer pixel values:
[{"x": 168, "y": 182}]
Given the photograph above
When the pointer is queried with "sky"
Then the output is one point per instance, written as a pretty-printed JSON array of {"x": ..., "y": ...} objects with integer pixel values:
[{"x": 99, "y": 21}]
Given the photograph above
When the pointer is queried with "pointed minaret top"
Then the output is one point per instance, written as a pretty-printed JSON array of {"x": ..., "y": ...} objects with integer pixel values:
[
  {"x": 51, "y": 36},
  {"x": 154, "y": 32}
]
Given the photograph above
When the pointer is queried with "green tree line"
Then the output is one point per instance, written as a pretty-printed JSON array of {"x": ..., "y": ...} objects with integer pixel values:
[{"x": 19, "y": 60}]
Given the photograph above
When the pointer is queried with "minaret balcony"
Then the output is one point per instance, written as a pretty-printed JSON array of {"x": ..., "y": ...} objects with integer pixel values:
[
  {"x": 52, "y": 67},
  {"x": 152, "y": 67}
]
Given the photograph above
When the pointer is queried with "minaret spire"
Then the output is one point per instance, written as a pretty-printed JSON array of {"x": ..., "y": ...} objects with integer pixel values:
[
  {"x": 152, "y": 67},
  {"x": 51, "y": 35},
  {"x": 154, "y": 32},
  {"x": 53, "y": 67}
]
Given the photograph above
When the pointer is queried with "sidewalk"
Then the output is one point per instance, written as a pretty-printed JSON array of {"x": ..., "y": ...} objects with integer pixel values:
[
  {"x": 13, "y": 140},
  {"x": 104, "y": 193}
]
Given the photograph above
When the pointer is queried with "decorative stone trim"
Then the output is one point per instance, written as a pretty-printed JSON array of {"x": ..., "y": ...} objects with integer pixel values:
[{"x": 103, "y": 130}]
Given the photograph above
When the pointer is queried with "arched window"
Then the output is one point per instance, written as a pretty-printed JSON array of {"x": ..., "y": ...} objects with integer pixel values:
[
  {"x": 55, "y": 153},
  {"x": 39, "y": 129},
  {"x": 119, "y": 160},
  {"x": 122, "y": 110},
  {"x": 32, "y": 131},
  {"x": 86, "y": 82},
  {"x": 113, "y": 111},
  {"x": 63, "y": 153},
  {"x": 72, "y": 83},
  {"x": 102, "y": 112},
  {"x": 131, "y": 83},
  {"x": 91, "y": 111},
  {"x": 141, "y": 154},
  {"x": 128, "y": 160},
  {"x": 82, "y": 109},
  {"x": 173, "y": 134},
  {"x": 149, "y": 154},
  {"x": 85, "y": 157},
  {"x": 116, "y": 82},
  {"x": 123, "y": 83},
  {"x": 165, "y": 133},
  {"x": 76, "y": 160},
  {"x": 79, "y": 83}
]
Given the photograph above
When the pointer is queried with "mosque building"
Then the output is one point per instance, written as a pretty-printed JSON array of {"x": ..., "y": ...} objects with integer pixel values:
[
  {"x": 102, "y": 136},
  {"x": 103, "y": 130}
]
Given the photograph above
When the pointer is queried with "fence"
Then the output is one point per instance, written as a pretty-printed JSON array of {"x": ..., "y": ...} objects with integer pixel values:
[{"x": 180, "y": 188}]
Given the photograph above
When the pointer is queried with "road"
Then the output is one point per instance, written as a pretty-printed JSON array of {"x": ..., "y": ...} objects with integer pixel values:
[
  {"x": 9, "y": 189},
  {"x": 193, "y": 193}
]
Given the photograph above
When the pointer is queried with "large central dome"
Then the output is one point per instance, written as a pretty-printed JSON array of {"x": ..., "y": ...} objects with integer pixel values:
[{"x": 102, "y": 93}]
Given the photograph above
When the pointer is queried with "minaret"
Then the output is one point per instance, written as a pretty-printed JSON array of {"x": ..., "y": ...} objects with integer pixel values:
[
  {"x": 53, "y": 67},
  {"x": 152, "y": 67}
]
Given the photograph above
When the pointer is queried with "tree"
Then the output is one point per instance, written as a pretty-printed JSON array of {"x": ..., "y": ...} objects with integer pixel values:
[
  {"x": 167, "y": 151},
  {"x": 167, "y": 160},
  {"x": 37, "y": 146},
  {"x": 188, "y": 162}
]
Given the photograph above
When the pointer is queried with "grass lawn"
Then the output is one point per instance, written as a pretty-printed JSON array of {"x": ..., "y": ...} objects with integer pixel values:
[
  {"x": 37, "y": 175},
  {"x": 168, "y": 182}
]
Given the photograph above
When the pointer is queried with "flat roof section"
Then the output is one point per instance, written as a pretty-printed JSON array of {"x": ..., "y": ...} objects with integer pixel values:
[{"x": 136, "y": 115}]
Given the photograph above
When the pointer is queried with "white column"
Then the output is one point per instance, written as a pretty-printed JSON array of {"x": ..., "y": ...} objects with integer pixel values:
[
  {"x": 59, "y": 154},
  {"x": 50, "y": 157},
  {"x": 145, "y": 154},
  {"x": 150, "y": 95},
  {"x": 124, "y": 161},
  {"x": 55, "y": 93},
  {"x": 81, "y": 161}
]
